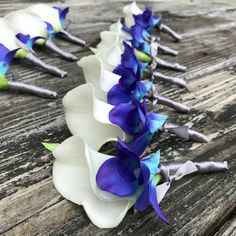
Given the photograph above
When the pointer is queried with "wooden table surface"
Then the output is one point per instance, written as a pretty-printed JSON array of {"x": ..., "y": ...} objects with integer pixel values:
[{"x": 196, "y": 205}]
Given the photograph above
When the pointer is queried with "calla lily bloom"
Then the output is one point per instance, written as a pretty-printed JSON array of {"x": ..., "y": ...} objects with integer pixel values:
[
  {"x": 55, "y": 17},
  {"x": 74, "y": 176},
  {"x": 96, "y": 74},
  {"x": 133, "y": 14},
  {"x": 28, "y": 23},
  {"x": 6, "y": 57},
  {"x": 85, "y": 112}
]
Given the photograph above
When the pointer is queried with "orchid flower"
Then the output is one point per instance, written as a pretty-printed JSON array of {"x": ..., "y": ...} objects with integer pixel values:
[
  {"x": 86, "y": 115},
  {"x": 55, "y": 19},
  {"x": 133, "y": 14},
  {"x": 28, "y": 23},
  {"x": 6, "y": 56},
  {"x": 110, "y": 49}
]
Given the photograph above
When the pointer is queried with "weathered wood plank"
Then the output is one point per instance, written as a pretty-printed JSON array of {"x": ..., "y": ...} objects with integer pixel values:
[{"x": 195, "y": 206}]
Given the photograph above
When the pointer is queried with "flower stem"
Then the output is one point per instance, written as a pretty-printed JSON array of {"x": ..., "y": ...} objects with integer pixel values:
[
  {"x": 68, "y": 36},
  {"x": 41, "y": 92},
  {"x": 173, "y": 80},
  {"x": 173, "y": 104},
  {"x": 168, "y": 65},
  {"x": 52, "y": 46},
  {"x": 51, "y": 69},
  {"x": 185, "y": 133},
  {"x": 167, "y": 50},
  {"x": 165, "y": 29}
]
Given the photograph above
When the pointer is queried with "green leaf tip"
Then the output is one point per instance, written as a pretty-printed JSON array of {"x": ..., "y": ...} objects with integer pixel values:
[
  {"x": 3, "y": 82},
  {"x": 50, "y": 146},
  {"x": 157, "y": 178}
]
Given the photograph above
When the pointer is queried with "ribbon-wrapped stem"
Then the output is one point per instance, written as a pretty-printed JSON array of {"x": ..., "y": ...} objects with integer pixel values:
[
  {"x": 52, "y": 46},
  {"x": 166, "y": 29},
  {"x": 167, "y": 50},
  {"x": 41, "y": 92},
  {"x": 168, "y": 102},
  {"x": 169, "y": 65},
  {"x": 185, "y": 133},
  {"x": 175, "y": 170},
  {"x": 51, "y": 69},
  {"x": 169, "y": 79},
  {"x": 68, "y": 36}
]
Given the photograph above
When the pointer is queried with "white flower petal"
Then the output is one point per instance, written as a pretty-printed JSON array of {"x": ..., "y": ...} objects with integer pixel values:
[
  {"x": 129, "y": 11},
  {"x": 95, "y": 160},
  {"x": 95, "y": 73},
  {"x": 26, "y": 22},
  {"x": 71, "y": 179},
  {"x": 79, "y": 105},
  {"x": 117, "y": 28},
  {"x": 109, "y": 49},
  {"x": 7, "y": 36},
  {"x": 48, "y": 14}
]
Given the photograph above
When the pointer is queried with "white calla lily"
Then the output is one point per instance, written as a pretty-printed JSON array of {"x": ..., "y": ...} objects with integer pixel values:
[
  {"x": 109, "y": 49},
  {"x": 47, "y": 14},
  {"x": 9, "y": 40},
  {"x": 27, "y": 23},
  {"x": 74, "y": 178},
  {"x": 95, "y": 73},
  {"x": 85, "y": 112},
  {"x": 129, "y": 11},
  {"x": 123, "y": 36}
]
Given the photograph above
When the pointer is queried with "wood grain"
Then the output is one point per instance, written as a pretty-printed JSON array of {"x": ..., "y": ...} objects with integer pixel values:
[{"x": 196, "y": 205}]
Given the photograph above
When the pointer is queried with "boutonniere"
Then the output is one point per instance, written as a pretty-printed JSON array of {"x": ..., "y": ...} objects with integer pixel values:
[
  {"x": 6, "y": 57},
  {"x": 28, "y": 23},
  {"x": 152, "y": 24},
  {"x": 108, "y": 186},
  {"x": 55, "y": 18}
]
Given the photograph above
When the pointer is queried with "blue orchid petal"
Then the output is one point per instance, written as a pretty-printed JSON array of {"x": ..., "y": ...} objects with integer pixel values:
[
  {"x": 128, "y": 79},
  {"x": 155, "y": 121},
  {"x": 50, "y": 30},
  {"x": 117, "y": 95},
  {"x": 142, "y": 202},
  {"x": 126, "y": 116},
  {"x": 109, "y": 179},
  {"x": 140, "y": 143},
  {"x": 25, "y": 39},
  {"x": 154, "y": 202},
  {"x": 141, "y": 90},
  {"x": 128, "y": 161}
]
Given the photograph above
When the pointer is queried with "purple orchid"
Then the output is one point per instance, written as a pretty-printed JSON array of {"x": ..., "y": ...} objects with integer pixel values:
[
  {"x": 129, "y": 87},
  {"x": 27, "y": 40},
  {"x": 135, "y": 121},
  {"x": 147, "y": 20},
  {"x": 6, "y": 56},
  {"x": 126, "y": 175}
]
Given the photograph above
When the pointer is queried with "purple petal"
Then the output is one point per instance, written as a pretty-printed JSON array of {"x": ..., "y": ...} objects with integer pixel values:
[
  {"x": 116, "y": 95},
  {"x": 139, "y": 144},
  {"x": 109, "y": 179}
]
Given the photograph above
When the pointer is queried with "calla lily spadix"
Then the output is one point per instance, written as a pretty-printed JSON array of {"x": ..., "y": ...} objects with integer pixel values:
[
  {"x": 86, "y": 114},
  {"x": 132, "y": 10},
  {"x": 6, "y": 57},
  {"x": 55, "y": 16},
  {"x": 28, "y": 23}
]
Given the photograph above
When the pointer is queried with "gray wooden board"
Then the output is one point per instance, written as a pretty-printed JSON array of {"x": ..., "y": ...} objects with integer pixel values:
[{"x": 195, "y": 205}]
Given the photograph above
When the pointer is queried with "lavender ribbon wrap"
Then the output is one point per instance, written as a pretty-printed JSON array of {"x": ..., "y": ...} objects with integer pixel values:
[{"x": 175, "y": 170}]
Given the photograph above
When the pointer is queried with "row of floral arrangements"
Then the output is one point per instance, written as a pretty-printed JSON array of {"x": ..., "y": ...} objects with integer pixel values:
[
  {"x": 20, "y": 30},
  {"x": 112, "y": 106}
]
